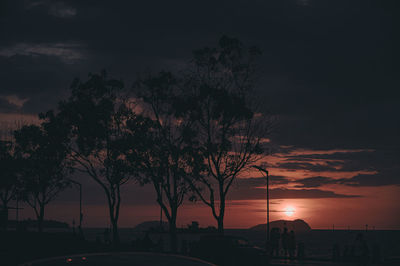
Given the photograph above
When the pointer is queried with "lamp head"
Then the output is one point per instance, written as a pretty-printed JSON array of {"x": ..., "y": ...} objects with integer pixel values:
[{"x": 260, "y": 169}]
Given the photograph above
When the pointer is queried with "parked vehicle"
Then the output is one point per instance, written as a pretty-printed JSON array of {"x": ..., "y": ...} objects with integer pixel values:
[{"x": 228, "y": 250}]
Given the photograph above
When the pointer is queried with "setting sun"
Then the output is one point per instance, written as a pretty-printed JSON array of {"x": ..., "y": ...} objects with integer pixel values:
[{"x": 289, "y": 211}]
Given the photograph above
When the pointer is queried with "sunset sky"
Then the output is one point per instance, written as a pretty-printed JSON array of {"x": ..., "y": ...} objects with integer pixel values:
[{"x": 329, "y": 72}]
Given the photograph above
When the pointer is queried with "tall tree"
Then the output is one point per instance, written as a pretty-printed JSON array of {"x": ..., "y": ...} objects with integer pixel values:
[
  {"x": 96, "y": 116},
  {"x": 170, "y": 155},
  {"x": 221, "y": 80},
  {"x": 42, "y": 152},
  {"x": 8, "y": 176}
]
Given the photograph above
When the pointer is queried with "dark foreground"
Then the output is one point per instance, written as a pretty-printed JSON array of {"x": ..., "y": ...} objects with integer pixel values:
[
  {"x": 17, "y": 248},
  {"x": 120, "y": 259}
]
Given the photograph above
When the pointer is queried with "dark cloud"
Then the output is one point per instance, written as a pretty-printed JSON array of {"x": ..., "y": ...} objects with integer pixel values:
[
  {"x": 280, "y": 193},
  {"x": 260, "y": 181},
  {"x": 41, "y": 76},
  {"x": 306, "y": 193},
  {"x": 386, "y": 177},
  {"x": 317, "y": 56},
  {"x": 315, "y": 181},
  {"x": 254, "y": 188},
  {"x": 329, "y": 68},
  {"x": 6, "y": 106},
  {"x": 315, "y": 167},
  {"x": 382, "y": 163}
]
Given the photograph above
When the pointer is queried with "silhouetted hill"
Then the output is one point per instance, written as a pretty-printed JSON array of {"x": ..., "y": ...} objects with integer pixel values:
[
  {"x": 296, "y": 225},
  {"x": 150, "y": 225}
]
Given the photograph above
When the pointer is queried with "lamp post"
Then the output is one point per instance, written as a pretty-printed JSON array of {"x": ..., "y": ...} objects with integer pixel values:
[
  {"x": 161, "y": 210},
  {"x": 80, "y": 202},
  {"x": 17, "y": 212},
  {"x": 262, "y": 170}
]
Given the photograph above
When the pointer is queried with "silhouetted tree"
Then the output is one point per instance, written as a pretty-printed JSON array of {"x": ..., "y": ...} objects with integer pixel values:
[
  {"x": 231, "y": 133},
  {"x": 170, "y": 154},
  {"x": 8, "y": 176},
  {"x": 42, "y": 152},
  {"x": 96, "y": 116}
]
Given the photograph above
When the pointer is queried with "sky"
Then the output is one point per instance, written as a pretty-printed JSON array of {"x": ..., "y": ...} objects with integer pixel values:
[{"x": 329, "y": 72}]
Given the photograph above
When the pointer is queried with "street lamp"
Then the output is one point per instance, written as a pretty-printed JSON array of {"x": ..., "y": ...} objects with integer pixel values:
[{"x": 262, "y": 170}]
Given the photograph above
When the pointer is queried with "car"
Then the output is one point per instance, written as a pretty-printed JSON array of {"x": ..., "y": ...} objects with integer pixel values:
[
  {"x": 228, "y": 250},
  {"x": 120, "y": 259}
]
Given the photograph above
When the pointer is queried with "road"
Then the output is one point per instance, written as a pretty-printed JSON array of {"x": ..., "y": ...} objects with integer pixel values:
[{"x": 121, "y": 259}]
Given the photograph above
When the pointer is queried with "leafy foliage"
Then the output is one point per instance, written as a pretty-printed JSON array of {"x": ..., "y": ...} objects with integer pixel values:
[
  {"x": 42, "y": 152},
  {"x": 171, "y": 154},
  {"x": 9, "y": 173},
  {"x": 220, "y": 82},
  {"x": 95, "y": 117}
]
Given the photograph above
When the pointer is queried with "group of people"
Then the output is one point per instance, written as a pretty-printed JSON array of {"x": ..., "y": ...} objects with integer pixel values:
[
  {"x": 284, "y": 244},
  {"x": 359, "y": 252}
]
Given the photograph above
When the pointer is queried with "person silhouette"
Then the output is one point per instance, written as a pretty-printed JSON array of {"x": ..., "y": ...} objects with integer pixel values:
[
  {"x": 275, "y": 236},
  {"x": 292, "y": 244},
  {"x": 160, "y": 244},
  {"x": 73, "y": 227},
  {"x": 184, "y": 247},
  {"x": 361, "y": 250},
  {"x": 147, "y": 243},
  {"x": 346, "y": 253},
  {"x": 285, "y": 241},
  {"x": 336, "y": 252},
  {"x": 301, "y": 253}
]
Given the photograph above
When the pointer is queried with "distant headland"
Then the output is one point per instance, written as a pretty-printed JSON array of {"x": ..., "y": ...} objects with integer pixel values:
[{"x": 296, "y": 225}]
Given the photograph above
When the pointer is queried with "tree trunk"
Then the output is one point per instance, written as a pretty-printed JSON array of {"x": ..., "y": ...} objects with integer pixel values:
[
  {"x": 114, "y": 224},
  {"x": 221, "y": 215},
  {"x": 221, "y": 225},
  {"x": 5, "y": 211},
  {"x": 40, "y": 218},
  {"x": 5, "y": 218},
  {"x": 113, "y": 211},
  {"x": 173, "y": 234}
]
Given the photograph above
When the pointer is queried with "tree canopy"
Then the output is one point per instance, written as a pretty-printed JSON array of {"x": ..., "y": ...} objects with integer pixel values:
[{"x": 42, "y": 151}]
